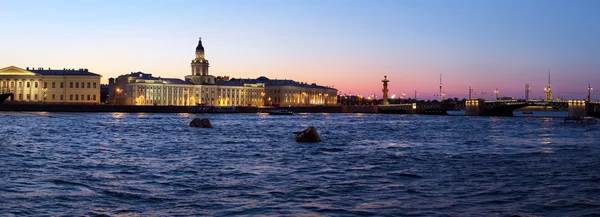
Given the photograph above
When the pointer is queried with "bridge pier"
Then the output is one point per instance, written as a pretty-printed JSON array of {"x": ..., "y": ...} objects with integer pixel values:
[
  {"x": 474, "y": 107},
  {"x": 578, "y": 108}
]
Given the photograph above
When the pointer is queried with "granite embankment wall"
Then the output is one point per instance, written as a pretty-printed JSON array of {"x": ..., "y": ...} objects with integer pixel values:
[{"x": 154, "y": 109}]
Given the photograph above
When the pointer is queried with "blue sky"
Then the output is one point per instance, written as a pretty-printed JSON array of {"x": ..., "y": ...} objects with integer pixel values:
[{"x": 350, "y": 45}]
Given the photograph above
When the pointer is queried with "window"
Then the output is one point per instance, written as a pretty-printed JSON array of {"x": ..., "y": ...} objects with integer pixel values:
[
  {"x": 36, "y": 84},
  {"x": 28, "y": 96},
  {"x": 71, "y": 97},
  {"x": 88, "y": 96},
  {"x": 45, "y": 84},
  {"x": 53, "y": 85},
  {"x": 61, "y": 97},
  {"x": 82, "y": 86},
  {"x": 82, "y": 97},
  {"x": 94, "y": 85},
  {"x": 94, "y": 97},
  {"x": 88, "y": 85},
  {"x": 53, "y": 97},
  {"x": 76, "y": 84},
  {"x": 76, "y": 97},
  {"x": 35, "y": 96},
  {"x": 71, "y": 85},
  {"x": 28, "y": 84},
  {"x": 61, "y": 85}
]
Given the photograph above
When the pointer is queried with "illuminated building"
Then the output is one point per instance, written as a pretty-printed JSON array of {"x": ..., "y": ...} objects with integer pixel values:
[
  {"x": 39, "y": 85},
  {"x": 201, "y": 88}
]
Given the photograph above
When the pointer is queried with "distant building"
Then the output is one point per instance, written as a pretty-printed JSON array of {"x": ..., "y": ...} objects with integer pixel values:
[
  {"x": 38, "y": 85},
  {"x": 201, "y": 88}
]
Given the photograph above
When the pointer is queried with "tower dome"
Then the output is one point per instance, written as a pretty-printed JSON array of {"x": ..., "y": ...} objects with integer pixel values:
[{"x": 200, "y": 48}]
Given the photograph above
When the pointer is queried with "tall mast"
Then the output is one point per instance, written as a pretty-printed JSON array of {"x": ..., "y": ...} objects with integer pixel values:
[{"x": 441, "y": 93}]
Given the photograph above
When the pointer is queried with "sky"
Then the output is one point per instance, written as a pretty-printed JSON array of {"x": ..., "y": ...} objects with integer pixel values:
[{"x": 350, "y": 45}]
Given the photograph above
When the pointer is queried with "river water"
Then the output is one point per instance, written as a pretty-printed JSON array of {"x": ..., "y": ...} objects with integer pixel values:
[{"x": 118, "y": 164}]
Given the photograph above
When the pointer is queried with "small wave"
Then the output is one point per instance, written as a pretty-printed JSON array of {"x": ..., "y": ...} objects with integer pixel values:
[
  {"x": 331, "y": 149},
  {"x": 407, "y": 175}
]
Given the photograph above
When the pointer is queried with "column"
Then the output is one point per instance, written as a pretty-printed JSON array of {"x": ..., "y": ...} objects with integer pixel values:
[
  {"x": 16, "y": 94},
  {"x": 40, "y": 90}
]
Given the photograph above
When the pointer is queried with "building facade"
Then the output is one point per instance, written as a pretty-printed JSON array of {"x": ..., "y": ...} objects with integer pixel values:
[
  {"x": 201, "y": 88},
  {"x": 39, "y": 85}
]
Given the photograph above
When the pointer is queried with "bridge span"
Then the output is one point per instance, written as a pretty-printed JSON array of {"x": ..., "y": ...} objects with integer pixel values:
[{"x": 479, "y": 107}]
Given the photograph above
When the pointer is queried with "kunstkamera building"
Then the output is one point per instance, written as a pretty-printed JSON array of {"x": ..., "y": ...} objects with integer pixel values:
[{"x": 201, "y": 88}]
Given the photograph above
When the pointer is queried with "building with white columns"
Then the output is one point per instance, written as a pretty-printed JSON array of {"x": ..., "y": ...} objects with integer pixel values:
[
  {"x": 201, "y": 88},
  {"x": 40, "y": 85}
]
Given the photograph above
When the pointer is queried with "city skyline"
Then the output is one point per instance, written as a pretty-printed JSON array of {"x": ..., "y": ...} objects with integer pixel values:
[{"x": 349, "y": 45}]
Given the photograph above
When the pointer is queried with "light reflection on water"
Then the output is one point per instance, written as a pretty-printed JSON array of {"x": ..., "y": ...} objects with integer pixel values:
[{"x": 249, "y": 164}]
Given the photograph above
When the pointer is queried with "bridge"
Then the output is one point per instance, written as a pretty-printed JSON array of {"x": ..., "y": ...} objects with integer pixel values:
[{"x": 480, "y": 107}]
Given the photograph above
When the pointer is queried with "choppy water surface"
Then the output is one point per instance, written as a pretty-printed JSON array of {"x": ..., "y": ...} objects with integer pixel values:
[{"x": 249, "y": 164}]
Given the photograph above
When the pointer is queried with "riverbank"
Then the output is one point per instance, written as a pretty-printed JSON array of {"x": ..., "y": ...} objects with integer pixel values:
[{"x": 158, "y": 109}]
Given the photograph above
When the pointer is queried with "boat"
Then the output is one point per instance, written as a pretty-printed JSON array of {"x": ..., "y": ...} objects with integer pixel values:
[
  {"x": 280, "y": 112},
  {"x": 4, "y": 96},
  {"x": 580, "y": 120}
]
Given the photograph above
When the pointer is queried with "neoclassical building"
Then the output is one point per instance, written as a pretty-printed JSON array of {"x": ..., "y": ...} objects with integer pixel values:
[
  {"x": 201, "y": 88},
  {"x": 39, "y": 85}
]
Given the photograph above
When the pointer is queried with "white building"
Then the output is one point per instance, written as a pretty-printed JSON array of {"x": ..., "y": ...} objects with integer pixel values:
[{"x": 201, "y": 88}]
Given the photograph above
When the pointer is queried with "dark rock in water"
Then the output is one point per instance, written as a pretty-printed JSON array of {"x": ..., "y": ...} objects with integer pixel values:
[
  {"x": 308, "y": 135},
  {"x": 203, "y": 123}
]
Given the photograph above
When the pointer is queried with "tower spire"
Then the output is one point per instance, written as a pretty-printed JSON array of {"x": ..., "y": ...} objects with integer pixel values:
[
  {"x": 547, "y": 89},
  {"x": 200, "y": 64}
]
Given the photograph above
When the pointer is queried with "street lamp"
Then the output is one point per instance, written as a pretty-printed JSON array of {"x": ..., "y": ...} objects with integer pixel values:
[
  {"x": 403, "y": 96},
  {"x": 119, "y": 96},
  {"x": 496, "y": 92},
  {"x": 590, "y": 93}
]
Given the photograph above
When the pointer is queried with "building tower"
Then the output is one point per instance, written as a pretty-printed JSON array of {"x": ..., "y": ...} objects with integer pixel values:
[
  {"x": 385, "y": 90},
  {"x": 547, "y": 89},
  {"x": 200, "y": 64}
]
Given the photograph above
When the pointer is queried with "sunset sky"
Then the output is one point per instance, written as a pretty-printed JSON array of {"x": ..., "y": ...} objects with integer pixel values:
[{"x": 350, "y": 45}]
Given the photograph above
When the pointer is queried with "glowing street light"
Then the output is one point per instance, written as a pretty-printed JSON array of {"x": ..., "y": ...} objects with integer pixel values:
[{"x": 496, "y": 93}]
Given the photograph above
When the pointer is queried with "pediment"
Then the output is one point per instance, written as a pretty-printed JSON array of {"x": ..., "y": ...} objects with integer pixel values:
[{"x": 13, "y": 70}]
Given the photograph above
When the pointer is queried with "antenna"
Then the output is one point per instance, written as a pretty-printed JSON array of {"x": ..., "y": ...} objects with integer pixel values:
[{"x": 441, "y": 94}]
